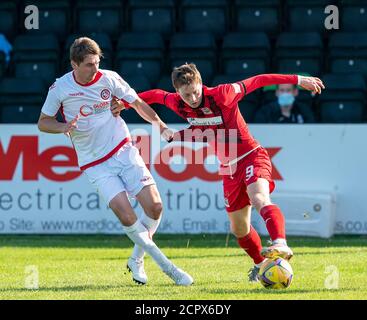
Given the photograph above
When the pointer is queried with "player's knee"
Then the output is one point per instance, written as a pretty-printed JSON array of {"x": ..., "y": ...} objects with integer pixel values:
[
  {"x": 126, "y": 215},
  {"x": 127, "y": 219},
  {"x": 155, "y": 210},
  {"x": 240, "y": 231},
  {"x": 258, "y": 200}
]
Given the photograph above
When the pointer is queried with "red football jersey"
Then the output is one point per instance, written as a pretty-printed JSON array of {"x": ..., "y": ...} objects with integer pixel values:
[{"x": 228, "y": 132}]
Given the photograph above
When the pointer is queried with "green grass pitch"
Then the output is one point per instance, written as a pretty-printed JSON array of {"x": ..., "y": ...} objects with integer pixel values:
[{"x": 94, "y": 267}]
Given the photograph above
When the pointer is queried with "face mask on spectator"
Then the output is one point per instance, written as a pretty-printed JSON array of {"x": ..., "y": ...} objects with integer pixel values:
[{"x": 285, "y": 99}]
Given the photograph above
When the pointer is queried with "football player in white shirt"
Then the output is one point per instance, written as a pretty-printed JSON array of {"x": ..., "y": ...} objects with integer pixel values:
[{"x": 105, "y": 153}]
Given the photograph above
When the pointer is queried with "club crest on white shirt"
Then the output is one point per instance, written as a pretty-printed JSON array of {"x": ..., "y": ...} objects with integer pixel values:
[{"x": 105, "y": 94}]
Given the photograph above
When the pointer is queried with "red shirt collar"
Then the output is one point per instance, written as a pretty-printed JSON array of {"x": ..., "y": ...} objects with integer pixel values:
[{"x": 96, "y": 78}]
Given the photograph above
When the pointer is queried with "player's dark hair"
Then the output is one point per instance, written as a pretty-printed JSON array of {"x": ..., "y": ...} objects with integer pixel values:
[
  {"x": 185, "y": 75},
  {"x": 81, "y": 47}
]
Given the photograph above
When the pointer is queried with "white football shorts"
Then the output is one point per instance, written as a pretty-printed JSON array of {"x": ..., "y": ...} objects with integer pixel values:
[{"x": 124, "y": 171}]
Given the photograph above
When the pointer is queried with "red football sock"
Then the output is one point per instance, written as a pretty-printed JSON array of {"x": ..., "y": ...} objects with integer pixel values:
[
  {"x": 274, "y": 221},
  {"x": 252, "y": 245}
]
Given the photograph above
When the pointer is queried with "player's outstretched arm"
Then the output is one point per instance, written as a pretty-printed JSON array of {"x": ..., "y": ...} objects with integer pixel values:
[
  {"x": 51, "y": 125},
  {"x": 149, "y": 115},
  {"x": 162, "y": 97},
  {"x": 150, "y": 97},
  {"x": 155, "y": 96},
  {"x": 311, "y": 84},
  {"x": 263, "y": 80}
]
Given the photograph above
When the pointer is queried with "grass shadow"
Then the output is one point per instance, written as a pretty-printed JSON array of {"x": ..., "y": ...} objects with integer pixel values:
[
  {"x": 79, "y": 288},
  {"x": 277, "y": 292}
]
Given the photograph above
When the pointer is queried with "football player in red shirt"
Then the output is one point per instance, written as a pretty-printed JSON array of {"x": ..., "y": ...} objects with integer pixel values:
[{"x": 215, "y": 118}]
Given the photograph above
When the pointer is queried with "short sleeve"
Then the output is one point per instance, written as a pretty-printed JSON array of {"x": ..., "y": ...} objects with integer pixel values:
[
  {"x": 122, "y": 90},
  {"x": 52, "y": 103},
  {"x": 231, "y": 93}
]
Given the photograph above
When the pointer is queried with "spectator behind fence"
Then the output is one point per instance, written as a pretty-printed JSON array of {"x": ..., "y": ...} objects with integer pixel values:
[{"x": 286, "y": 109}]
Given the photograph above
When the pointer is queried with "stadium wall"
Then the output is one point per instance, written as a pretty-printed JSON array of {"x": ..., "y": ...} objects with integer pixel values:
[{"x": 319, "y": 170}]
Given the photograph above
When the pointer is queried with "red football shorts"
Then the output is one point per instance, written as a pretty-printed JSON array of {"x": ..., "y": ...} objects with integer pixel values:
[{"x": 246, "y": 171}]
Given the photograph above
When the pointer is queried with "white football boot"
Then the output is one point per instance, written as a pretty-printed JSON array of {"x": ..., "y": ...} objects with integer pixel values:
[
  {"x": 180, "y": 277},
  {"x": 136, "y": 267}
]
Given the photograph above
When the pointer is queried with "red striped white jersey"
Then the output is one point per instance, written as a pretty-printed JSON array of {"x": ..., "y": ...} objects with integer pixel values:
[{"x": 98, "y": 132}]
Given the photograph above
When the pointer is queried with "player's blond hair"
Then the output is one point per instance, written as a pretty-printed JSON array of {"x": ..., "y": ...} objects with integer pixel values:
[
  {"x": 83, "y": 46},
  {"x": 185, "y": 75}
]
